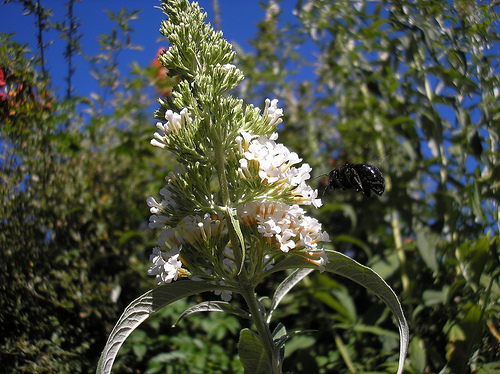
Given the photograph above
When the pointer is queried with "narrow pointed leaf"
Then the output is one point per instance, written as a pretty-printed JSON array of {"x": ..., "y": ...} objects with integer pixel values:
[
  {"x": 363, "y": 275},
  {"x": 344, "y": 352},
  {"x": 141, "y": 308},
  {"x": 280, "y": 336},
  {"x": 214, "y": 306},
  {"x": 236, "y": 225},
  {"x": 279, "y": 331},
  {"x": 284, "y": 288},
  {"x": 347, "y": 267}
]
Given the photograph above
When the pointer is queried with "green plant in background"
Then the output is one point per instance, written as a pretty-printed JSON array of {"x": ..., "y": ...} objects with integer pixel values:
[
  {"x": 70, "y": 229},
  {"x": 230, "y": 213}
]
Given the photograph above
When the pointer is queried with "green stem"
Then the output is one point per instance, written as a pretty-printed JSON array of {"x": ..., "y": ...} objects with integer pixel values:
[
  {"x": 266, "y": 339},
  {"x": 245, "y": 284}
]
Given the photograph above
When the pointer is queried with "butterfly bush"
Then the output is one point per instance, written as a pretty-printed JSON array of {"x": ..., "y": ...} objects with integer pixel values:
[
  {"x": 235, "y": 208},
  {"x": 268, "y": 208}
]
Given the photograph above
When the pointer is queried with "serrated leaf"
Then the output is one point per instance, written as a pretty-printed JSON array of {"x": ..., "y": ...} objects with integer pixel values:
[
  {"x": 141, "y": 308},
  {"x": 214, "y": 306},
  {"x": 252, "y": 354},
  {"x": 285, "y": 287}
]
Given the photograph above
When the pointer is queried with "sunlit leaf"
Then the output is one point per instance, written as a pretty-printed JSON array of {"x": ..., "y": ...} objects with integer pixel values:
[
  {"x": 284, "y": 288},
  {"x": 347, "y": 267},
  {"x": 141, "y": 308}
]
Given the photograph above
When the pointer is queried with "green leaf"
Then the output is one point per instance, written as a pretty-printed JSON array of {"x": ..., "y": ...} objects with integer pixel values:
[
  {"x": 418, "y": 354},
  {"x": 284, "y": 288},
  {"x": 478, "y": 258},
  {"x": 280, "y": 343},
  {"x": 214, "y": 306},
  {"x": 279, "y": 337},
  {"x": 141, "y": 308},
  {"x": 252, "y": 354},
  {"x": 347, "y": 267},
  {"x": 300, "y": 342},
  {"x": 355, "y": 241},
  {"x": 360, "y": 327},
  {"x": 279, "y": 332},
  {"x": 427, "y": 243},
  {"x": 340, "y": 301},
  {"x": 233, "y": 215},
  {"x": 344, "y": 352},
  {"x": 490, "y": 368},
  {"x": 433, "y": 297}
]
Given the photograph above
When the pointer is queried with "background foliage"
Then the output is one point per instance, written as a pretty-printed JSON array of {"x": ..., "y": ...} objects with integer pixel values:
[{"x": 411, "y": 87}]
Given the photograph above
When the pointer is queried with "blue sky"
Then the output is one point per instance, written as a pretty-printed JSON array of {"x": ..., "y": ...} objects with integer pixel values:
[{"x": 238, "y": 24}]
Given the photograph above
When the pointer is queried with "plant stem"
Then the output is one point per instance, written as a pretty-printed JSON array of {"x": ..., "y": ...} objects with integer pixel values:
[
  {"x": 266, "y": 339},
  {"x": 245, "y": 284}
]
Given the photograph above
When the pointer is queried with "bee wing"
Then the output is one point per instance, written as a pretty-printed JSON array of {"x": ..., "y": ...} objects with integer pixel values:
[{"x": 354, "y": 179}]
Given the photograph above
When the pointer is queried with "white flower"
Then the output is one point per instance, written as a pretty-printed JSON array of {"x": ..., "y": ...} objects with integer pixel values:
[
  {"x": 269, "y": 228},
  {"x": 256, "y": 152},
  {"x": 247, "y": 138},
  {"x": 285, "y": 241},
  {"x": 154, "y": 206},
  {"x": 319, "y": 258},
  {"x": 268, "y": 172},
  {"x": 227, "y": 66},
  {"x": 169, "y": 239},
  {"x": 288, "y": 225},
  {"x": 274, "y": 162},
  {"x": 272, "y": 112},
  {"x": 165, "y": 271},
  {"x": 239, "y": 140},
  {"x": 276, "y": 215},
  {"x": 157, "y": 221}
]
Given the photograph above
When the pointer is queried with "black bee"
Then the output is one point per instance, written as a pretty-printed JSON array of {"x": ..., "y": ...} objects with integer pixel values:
[{"x": 362, "y": 178}]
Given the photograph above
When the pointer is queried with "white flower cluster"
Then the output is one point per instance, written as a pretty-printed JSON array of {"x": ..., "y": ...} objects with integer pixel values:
[
  {"x": 274, "y": 162},
  {"x": 289, "y": 226},
  {"x": 167, "y": 266},
  {"x": 165, "y": 269},
  {"x": 286, "y": 227}
]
